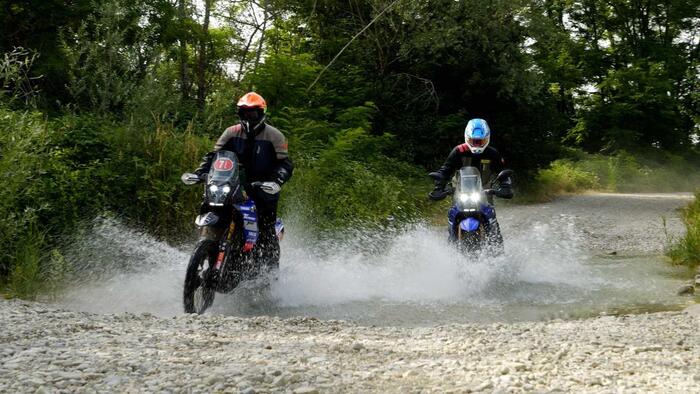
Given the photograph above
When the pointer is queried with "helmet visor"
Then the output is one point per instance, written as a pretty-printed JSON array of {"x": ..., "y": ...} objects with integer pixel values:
[
  {"x": 252, "y": 115},
  {"x": 476, "y": 142}
]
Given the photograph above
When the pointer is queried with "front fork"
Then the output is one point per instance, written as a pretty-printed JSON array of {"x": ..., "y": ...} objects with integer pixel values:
[{"x": 223, "y": 240}]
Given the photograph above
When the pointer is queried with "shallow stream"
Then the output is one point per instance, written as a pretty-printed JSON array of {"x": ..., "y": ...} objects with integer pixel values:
[{"x": 576, "y": 257}]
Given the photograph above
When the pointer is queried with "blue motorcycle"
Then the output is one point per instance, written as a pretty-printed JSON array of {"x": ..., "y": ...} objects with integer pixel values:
[
  {"x": 472, "y": 223},
  {"x": 227, "y": 253}
]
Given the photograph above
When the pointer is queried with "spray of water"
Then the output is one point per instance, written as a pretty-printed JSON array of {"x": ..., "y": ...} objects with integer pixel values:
[{"x": 412, "y": 276}]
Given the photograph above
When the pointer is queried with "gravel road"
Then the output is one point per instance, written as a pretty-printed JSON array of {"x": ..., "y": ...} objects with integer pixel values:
[
  {"x": 609, "y": 222},
  {"x": 45, "y": 349},
  {"x": 50, "y": 350}
]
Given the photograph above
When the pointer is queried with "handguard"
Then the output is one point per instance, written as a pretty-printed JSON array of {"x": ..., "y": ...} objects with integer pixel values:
[
  {"x": 441, "y": 190},
  {"x": 504, "y": 192},
  {"x": 189, "y": 178}
]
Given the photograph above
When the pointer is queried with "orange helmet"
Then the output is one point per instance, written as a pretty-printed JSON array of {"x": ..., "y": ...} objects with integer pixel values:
[
  {"x": 251, "y": 110},
  {"x": 252, "y": 100}
]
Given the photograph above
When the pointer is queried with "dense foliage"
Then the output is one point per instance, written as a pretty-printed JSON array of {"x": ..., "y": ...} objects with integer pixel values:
[{"x": 105, "y": 102}]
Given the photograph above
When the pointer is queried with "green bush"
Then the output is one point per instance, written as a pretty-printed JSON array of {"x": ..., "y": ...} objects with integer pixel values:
[
  {"x": 562, "y": 176},
  {"x": 143, "y": 177},
  {"x": 687, "y": 250},
  {"x": 58, "y": 173},
  {"x": 351, "y": 181},
  {"x": 621, "y": 172}
]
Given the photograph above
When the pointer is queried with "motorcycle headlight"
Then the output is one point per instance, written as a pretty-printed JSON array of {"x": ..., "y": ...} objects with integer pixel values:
[
  {"x": 213, "y": 188},
  {"x": 470, "y": 197},
  {"x": 226, "y": 189}
]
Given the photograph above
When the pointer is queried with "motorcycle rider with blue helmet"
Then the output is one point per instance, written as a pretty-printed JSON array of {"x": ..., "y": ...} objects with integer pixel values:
[{"x": 475, "y": 152}]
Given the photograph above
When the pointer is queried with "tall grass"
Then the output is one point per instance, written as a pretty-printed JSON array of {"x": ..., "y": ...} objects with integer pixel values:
[
  {"x": 145, "y": 176},
  {"x": 57, "y": 173},
  {"x": 561, "y": 177},
  {"x": 687, "y": 250},
  {"x": 621, "y": 172}
]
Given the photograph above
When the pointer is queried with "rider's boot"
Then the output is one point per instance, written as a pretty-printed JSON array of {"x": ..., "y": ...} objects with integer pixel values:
[{"x": 268, "y": 243}]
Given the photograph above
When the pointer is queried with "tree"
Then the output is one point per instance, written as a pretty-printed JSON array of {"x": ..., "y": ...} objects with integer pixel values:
[{"x": 639, "y": 55}]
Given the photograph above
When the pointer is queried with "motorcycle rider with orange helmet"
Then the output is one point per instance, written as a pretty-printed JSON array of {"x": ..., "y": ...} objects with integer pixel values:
[{"x": 262, "y": 152}]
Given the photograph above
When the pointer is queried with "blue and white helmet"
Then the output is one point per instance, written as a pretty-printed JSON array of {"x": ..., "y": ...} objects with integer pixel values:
[{"x": 477, "y": 135}]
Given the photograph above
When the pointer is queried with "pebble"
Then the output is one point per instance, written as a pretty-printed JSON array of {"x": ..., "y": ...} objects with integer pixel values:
[
  {"x": 686, "y": 290},
  {"x": 306, "y": 390},
  {"x": 54, "y": 351}
]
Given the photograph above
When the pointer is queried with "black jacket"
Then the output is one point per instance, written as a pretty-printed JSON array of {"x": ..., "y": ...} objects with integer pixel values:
[
  {"x": 489, "y": 162},
  {"x": 264, "y": 157}
]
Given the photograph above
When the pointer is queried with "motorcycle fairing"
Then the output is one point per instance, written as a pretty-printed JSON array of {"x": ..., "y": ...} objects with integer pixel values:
[
  {"x": 468, "y": 214},
  {"x": 250, "y": 224},
  {"x": 223, "y": 180},
  {"x": 207, "y": 219}
]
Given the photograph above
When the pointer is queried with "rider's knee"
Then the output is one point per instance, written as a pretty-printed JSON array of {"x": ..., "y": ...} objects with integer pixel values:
[{"x": 210, "y": 233}]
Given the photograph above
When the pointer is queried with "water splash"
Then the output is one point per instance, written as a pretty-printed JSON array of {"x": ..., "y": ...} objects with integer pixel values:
[
  {"x": 119, "y": 269},
  {"x": 412, "y": 276}
]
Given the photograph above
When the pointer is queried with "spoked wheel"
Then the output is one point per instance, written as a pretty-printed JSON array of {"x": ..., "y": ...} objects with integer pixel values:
[
  {"x": 199, "y": 291},
  {"x": 471, "y": 241}
]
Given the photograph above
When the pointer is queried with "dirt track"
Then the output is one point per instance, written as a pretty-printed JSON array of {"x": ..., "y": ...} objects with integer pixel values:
[
  {"x": 46, "y": 349},
  {"x": 621, "y": 223}
]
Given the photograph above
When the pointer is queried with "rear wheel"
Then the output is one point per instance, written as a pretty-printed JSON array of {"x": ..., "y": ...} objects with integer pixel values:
[{"x": 199, "y": 287}]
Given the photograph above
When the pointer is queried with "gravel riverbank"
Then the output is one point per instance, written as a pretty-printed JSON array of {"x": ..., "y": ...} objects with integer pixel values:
[{"x": 45, "y": 349}]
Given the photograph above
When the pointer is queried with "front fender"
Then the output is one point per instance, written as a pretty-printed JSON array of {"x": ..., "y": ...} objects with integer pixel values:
[{"x": 469, "y": 224}]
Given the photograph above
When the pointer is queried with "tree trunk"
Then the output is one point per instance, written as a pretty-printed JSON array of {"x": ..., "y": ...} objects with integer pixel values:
[
  {"x": 244, "y": 56},
  {"x": 266, "y": 16},
  {"x": 202, "y": 64},
  {"x": 185, "y": 84}
]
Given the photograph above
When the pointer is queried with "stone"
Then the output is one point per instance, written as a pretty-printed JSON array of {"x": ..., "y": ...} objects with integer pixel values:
[
  {"x": 212, "y": 380},
  {"x": 654, "y": 348},
  {"x": 280, "y": 381},
  {"x": 686, "y": 290},
  {"x": 306, "y": 390},
  {"x": 487, "y": 385}
]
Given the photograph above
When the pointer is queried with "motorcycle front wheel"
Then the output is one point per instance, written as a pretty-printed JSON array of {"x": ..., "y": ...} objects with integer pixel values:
[
  {"x": 471, "y": 241},
  {"x": 199, "y": 291}
]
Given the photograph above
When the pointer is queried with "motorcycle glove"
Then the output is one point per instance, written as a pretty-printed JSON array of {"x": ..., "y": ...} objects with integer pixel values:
[
  {"x": 205, "y": 164},
  {"x": 270, "y": 187}
]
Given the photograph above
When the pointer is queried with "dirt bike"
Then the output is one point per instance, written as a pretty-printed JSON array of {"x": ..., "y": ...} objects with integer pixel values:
[
  {"x": 221, "y": 263},
  {"x": 472, "y": 223}
]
